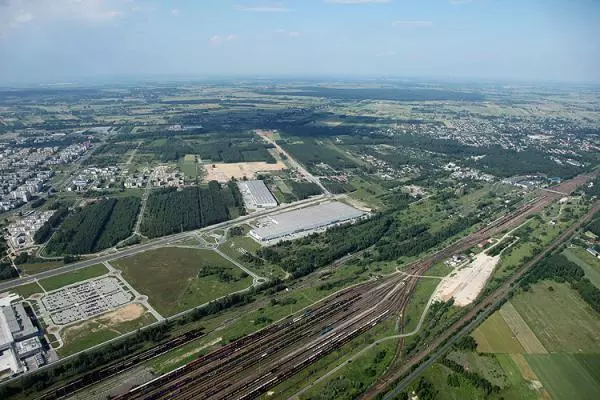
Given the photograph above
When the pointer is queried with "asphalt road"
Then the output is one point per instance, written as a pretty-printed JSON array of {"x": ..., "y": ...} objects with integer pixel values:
[{"x": 153, "y": 244}]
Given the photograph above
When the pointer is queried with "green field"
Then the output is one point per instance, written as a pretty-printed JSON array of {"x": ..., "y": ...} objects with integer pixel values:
[
  {"x": 561, "y": 320},
  {"x": 36, "y": 268},
  {"x": 27, "y": 290},
  {"x": 169, "y": 277},
  {"x": 589, "y": 263},
  {"x": 565, "y": 377},
  {"x": 494, "y": 336},
  {"x": 190, "y": 167},
  {"x": 58, "y": 281},
  {"x": 235, "y": 247}
]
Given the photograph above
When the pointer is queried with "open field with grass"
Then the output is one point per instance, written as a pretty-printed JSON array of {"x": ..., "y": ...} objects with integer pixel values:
[
  {"x": 105, "y": 327},
  {"x": 589, "y": 263},
  {"x": 235, "y": 247},
  {"x": 564, "y": 376},
  {"x": 27, "y": 290},
  {"x": 189, "y": 166},
  {"x": 36, "y": 268},
  {"x": 169, "y": 276},
  {"x": 561, "y": 320},
  {"x": 521, "y": 330},
  {"x": 69, "y": 278},
  {"x": 495, "y": 336}
]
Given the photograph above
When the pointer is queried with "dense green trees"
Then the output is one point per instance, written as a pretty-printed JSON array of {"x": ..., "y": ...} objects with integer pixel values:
[
  {"x": 334, "y": 243},
  {"x": 53, "y": 222},
  {"x": 95, "y": 227},
  {"x": 169, "y": 211},
  {"x": 303, "y": 190}
]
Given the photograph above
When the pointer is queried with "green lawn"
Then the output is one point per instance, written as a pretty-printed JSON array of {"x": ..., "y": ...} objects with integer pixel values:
[
  {"x": 589, "y": 263},
  {"x": 561, "y": 320},
  {"x": 189, "y": 166},
  {"x": 564, "y": 376},
  {"x": 58, "y": 281},
  {"x": 169, "y": 277}
]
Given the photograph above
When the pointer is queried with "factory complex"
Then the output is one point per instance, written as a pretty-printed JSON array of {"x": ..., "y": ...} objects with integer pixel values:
[
  {"x": 256, "y": 195},
  {"x": 20, "y": 344},
  {"x": 293, "y": 224}
]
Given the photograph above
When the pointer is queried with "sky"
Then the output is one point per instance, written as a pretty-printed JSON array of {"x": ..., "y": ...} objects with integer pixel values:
[{"x": 47, "y": 41}]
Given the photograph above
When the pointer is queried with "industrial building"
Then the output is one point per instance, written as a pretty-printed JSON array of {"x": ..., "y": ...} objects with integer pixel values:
[
  {"x": 256, "y": 195},
  {"x": 20, "y": 346},
  {"x": 297, "y": 223}
]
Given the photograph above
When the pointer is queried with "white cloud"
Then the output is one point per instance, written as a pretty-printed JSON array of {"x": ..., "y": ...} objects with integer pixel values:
[
  {"x": 294, "y": 34},
  {"x": 175, "y": 12},
  {"x": 412, "y": 24},
  {"x": 358, "y": 1},
  {"x": 23, "y": 18},
  {"x": 287, "y": 33},
  {"x": 265, "y": 8},
  {"x": 218, "y": 39}
]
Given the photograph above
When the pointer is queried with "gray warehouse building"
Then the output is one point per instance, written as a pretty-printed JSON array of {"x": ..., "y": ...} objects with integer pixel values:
[
  {"x": 256, "y": 195},
  {"x": 304, "y": 220}
]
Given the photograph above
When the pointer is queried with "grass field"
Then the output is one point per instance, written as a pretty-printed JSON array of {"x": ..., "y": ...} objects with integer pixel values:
[
  {"x": 495, "y": 336},
  {"x": 234, "y": 248},
  {"x": 27, "y": 290},
  {"x": 423, "y": 291},
  {"x": 69, "y": 278},
  {"x": 521, "y": 330},
  {"x": 169, "y": 277},
  {"x": 189, "y": 166},
  {"x": 35, "y": 268},
  {"x": 564, "y": 376},
  {"x": 108, "y": 326},
  {"x": 561, "y": 320},
  {"x": 589, "y": 263}
]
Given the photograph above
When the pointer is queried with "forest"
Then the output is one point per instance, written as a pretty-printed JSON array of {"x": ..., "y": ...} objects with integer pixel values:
[
  {"x": 169, "y": 211},
  {"x": 53, "y": 222},
  {"x": 228, "y": 150},
  {"x": 95, "y": 227},
  {"x": 311, "y": 153},
  {"x": 303, "y": 190}
]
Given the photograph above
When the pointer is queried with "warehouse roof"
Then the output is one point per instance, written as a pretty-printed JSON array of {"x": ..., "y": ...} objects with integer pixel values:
[{"x": 305, "y": 219}]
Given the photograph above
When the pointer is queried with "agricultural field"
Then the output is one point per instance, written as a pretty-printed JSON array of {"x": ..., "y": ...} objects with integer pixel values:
[
  {"x": 565, "y": 377},
  {"x": 177, "y": 279},
  {"x": 576, "y": 331},
  {"x": 495, "y": 336}
]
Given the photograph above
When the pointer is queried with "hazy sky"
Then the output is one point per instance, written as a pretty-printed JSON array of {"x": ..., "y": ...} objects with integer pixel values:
[{"x": 69, "y": 40}]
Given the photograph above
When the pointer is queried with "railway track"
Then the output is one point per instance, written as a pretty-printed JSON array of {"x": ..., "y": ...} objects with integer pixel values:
[{"x": 252, "y": 365}]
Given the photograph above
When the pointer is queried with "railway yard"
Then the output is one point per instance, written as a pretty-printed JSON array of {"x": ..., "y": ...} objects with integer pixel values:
[{"x": 250, "y": 366}]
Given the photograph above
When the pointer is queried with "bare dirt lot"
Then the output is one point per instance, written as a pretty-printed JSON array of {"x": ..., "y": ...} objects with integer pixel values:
[
  {"x": 466, "y": 283},
  {"x": 224, "y": 172}
]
